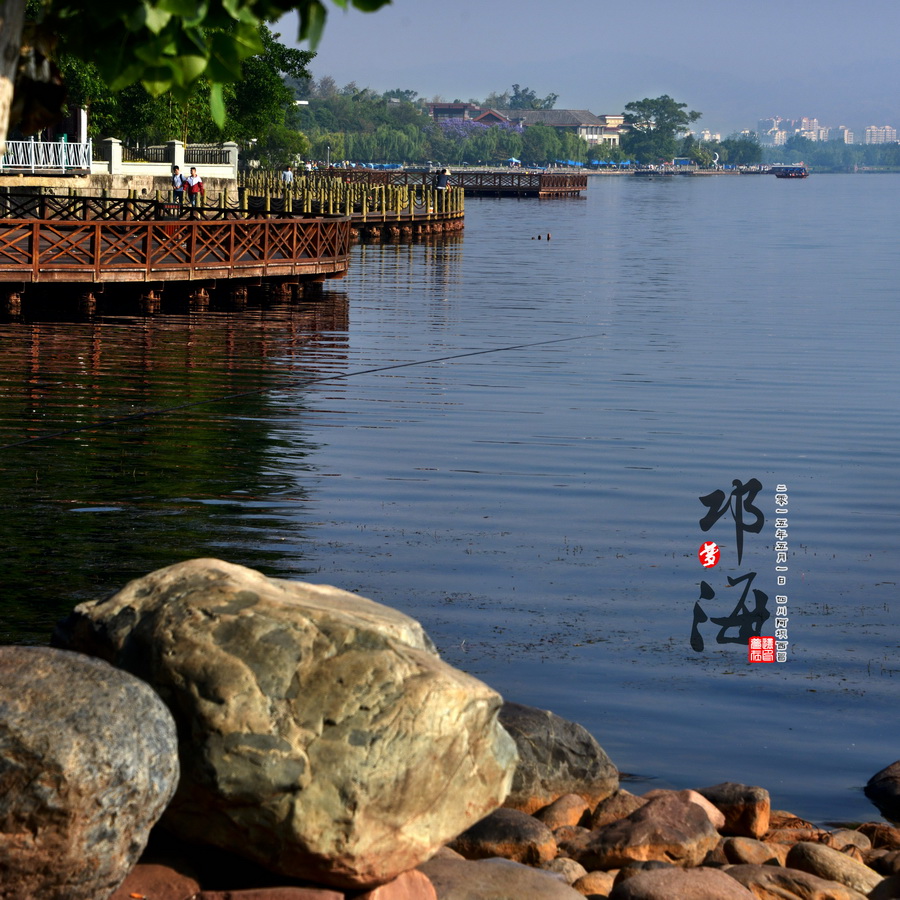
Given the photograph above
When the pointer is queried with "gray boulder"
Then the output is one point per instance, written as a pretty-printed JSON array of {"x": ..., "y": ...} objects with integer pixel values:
[
  {"x": 88, "y": 762},
  {"x": 831, "y": 864},
  {"x": 321, "y": 735},
  {"x": 556, "y": 757},
  {"x": 883, "y": 789}
]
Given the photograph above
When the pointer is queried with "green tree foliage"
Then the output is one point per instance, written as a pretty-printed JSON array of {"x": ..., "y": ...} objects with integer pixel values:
[
  {"x": 257, "y": 104},
  {"x": 520, "y": 98},
  {"x": 541, "y": 144},
  {"x": 740, "y": 150},
  {"x": 656, "y": 124},
  {"x": 168, "y": 46}
]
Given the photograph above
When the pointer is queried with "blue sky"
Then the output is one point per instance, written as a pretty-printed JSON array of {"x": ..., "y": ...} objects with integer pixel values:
[{"x": 735, "y": 62}]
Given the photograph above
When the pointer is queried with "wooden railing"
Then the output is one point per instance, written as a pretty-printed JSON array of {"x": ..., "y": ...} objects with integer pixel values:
[
  {"x": 40, "y": 250},
  {"x": 324, "y": 196},
  {"x": 472, "y": 181}
]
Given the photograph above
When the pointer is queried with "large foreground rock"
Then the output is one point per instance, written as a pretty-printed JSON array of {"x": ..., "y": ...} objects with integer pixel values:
[
  {"x": 88, "y": 761},
  {"x": 556, "y": 757},
  {"x": 320, "y": 734}
]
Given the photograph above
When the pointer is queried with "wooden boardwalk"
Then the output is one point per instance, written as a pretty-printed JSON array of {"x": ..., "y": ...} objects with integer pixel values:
[
  {"x": 244, "y": 243},
  {"x": 101, "y": 240},
  {"x": 512, "y": 183}
]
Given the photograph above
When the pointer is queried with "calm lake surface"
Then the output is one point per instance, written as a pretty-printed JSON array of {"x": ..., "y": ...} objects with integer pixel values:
[{"x": 507, "y": 439}]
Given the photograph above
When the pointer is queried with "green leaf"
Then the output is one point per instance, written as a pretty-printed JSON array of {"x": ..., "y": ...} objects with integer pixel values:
[
  {"x": 187, "y": 69},
  {"x": 369, "y": 5},
  {"x": 157, "y": 80},
  {"x": 217, "y": 105},
  {"x": 154, "y": 18},
  {"x": 312, "y": 23}
]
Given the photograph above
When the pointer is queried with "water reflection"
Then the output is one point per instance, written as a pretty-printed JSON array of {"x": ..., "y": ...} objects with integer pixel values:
[{"x": 131, "y": 444}]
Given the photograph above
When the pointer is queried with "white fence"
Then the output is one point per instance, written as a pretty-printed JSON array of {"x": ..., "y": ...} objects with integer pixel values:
[{"x": 42, "y": 156}]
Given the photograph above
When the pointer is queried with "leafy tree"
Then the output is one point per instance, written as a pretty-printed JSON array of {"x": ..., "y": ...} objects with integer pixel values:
[
  {"x": 540, "y": 144},
  {"x": 166, "y": 45},
  {"x": 259, "y": 102},
  {"x": 397, "y": 94},
  {"x": 260, "y": 97},
  {"x": 741, "y": 150},
  {"x": 656, "y": 125},
  {"x": 519, "y": 98}
]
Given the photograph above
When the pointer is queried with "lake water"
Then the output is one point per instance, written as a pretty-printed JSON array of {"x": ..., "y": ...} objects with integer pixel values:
[{"x": 508, "y": 438}]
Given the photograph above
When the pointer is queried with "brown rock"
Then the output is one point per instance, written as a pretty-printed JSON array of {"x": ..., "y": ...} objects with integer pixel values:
[
  {"x": 618, "y": 805},
  {"x": 885, "y": 862},
  {"x": 786, "y": 828},
  {"x": 270, "y": 893},
  {"x": 322, "y": 735},
  {"x": 570, "y": 809},
  {"x": 412, "y": 885},
  {"x": 510, "y": 834},
  {"x": 156, "y": 882},
  {"x": 889, "y": 889},
  {"x": 881, "y": 835},
  {"x": 595, "y": 884},
  {"x": 741, "y": 850},
  {"x": 714, "y": 814},
  {"x": 832, "y": 865},
  {"x": 683, "y": 884},
  {"x": 571, "y": 840},
  {"x": 567, "y": 869},
  {"x": 844, "y": 837},
  {"x": 556, "y": 757},
  {"x": 776, "y": 883},
  {"x": 667, "y": 828},
  {"x": 494, "y": 879},
  {"x": 716, "y": 857},
  {"x": 746, "y": 808}
]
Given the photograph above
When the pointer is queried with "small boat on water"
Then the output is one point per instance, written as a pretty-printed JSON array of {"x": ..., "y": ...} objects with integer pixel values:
[{"x": 794, "y": 171}]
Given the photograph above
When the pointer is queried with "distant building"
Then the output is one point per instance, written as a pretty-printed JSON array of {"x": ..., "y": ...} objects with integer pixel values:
[
  {"x": 883, "y": 134},
  {"x": 707, "y": 135},
  {"x": 841, "y": 133},
  {"x": 593, "y": 129},
  {"x": 457, "y": 110}
]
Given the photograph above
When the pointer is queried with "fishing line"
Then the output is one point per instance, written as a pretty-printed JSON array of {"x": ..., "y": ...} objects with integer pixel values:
[{"x": 153, "y": 413}]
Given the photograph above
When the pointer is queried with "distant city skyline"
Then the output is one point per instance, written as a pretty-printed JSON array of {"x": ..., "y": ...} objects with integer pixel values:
[{"x": 734, "y": 66}]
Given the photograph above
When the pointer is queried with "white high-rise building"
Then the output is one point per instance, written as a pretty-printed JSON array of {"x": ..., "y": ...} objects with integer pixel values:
[{"x": 883, "y": 134}]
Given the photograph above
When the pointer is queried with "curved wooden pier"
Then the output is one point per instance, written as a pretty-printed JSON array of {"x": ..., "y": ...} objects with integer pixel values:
[
  {"x": 98, "y": 252},
  {"x": 475, "y": 182}
]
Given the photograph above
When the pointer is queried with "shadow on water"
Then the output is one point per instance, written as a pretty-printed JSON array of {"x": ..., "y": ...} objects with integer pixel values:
[{"x": 129, "y": 444}]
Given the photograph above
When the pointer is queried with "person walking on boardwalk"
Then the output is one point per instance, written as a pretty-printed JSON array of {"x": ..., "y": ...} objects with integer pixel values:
[
  {"x": 287, "y": 176},
  {"x": 195, "y": 186},
  {"x": 178, "y": 183}
]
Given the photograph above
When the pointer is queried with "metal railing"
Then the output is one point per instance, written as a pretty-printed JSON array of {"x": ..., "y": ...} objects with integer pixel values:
[
  {"x": 199, "y": 155},
  {"x": 146, "y": 154},
  {"x": 35, "y": 156}
]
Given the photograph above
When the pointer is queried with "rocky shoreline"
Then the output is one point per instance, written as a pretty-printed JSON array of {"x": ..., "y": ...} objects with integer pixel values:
[{"x": 208, "y": 733}]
